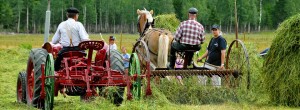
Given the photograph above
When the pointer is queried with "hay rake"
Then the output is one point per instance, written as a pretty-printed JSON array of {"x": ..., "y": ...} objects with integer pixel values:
[{"x": 235, "y": 75}]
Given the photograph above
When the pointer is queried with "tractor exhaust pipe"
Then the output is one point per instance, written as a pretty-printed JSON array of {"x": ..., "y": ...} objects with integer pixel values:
[{"x": 47, "y": 23}]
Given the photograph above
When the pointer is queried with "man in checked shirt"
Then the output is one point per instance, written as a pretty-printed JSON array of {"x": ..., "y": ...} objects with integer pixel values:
[{"x": 189, "y": 35}]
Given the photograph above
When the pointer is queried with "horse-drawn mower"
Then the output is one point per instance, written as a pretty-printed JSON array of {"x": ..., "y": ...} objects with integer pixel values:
[
  {"x": 79, "y": 76},
  {"x": 235, "y": 75},
  {"x": 147, "y": 50}
]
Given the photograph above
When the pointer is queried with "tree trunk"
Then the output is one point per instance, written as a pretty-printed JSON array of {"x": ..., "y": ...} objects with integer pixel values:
[
  {"x": 132, "y": 27},
  {"x": 89, "y": 28},
  {"x": 220, "y": 25},
  {"x": 34, "y": 27},
  {"x": 27, "y": 19},
  {"x": 62, "y": 14},
  {"x": 227, "y": 29},
  {"x": 84, "y": 19},
  {"x": 106, "y": 21},
  {"x": 245, "y": 26},
  {"x": 114, "y": 24},
  {"x": 96, "y": 25},
  {"x": 19, "y": 17},
  {"x": 230, "y": 26},
  {"x": 72, "y": 3},
  {"x": 260, "y": 14},
  {"x": 249, "y": 28}
]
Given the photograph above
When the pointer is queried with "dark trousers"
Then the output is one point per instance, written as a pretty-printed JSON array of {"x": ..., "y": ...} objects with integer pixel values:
[
  {"x": 176, "y": 46},
  {"x": 59, "y": 58}
]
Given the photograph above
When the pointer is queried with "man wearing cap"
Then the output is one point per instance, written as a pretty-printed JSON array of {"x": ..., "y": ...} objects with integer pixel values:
[
  {"x": 189, "y": 35},
  {"x": 112, "y": 44},
  {"x": 216, "y": 49},
  {"x": 69, "y": 34},
  {"x": 215, "y": 53}
]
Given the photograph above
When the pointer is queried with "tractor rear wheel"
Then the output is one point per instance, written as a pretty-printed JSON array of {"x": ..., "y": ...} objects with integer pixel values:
[
  {"x": 33, "y": 88},
  {"x": 21, "y": 87},
  {"x": 116, "y": 63}
]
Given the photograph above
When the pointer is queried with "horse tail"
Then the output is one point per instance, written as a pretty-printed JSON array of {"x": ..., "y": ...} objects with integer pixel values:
[{"x": 163, "y": 47}]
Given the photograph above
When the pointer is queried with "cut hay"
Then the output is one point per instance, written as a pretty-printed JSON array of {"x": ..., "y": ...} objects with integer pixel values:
[
  {"x": 167, "y": 21},
  {"x": 281, "y": 76}
]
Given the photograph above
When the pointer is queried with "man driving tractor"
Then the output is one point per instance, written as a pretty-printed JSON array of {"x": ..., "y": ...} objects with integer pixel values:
[{"x": 69, "y": 34}]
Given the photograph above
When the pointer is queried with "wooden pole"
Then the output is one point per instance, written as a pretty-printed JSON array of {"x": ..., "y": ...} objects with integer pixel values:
[
  {"x": 121, "y": 40},
  {"x": 236, "y": 24}
]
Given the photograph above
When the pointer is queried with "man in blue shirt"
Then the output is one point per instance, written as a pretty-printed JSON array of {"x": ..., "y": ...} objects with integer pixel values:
[
  {"x": 216, "y": 49},
  {"x": 215, "y": 54}
]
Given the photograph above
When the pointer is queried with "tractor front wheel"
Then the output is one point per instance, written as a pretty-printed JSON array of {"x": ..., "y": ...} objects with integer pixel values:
[{"x": 21, "y": 87}]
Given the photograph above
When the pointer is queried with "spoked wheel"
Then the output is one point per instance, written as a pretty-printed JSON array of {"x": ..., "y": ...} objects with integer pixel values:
[
  {"x": 21, "y": 87},
  {"x": 237, "y": 59},
  {"x": 139, "y": 66},
  {"x": 49, "y": 83},
  {"x": 135, "y": 74},
  {"x": 33, "y": 81}
]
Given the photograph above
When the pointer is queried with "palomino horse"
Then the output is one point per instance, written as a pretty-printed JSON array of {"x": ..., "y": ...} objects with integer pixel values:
[{"x": 158, "y": 40}]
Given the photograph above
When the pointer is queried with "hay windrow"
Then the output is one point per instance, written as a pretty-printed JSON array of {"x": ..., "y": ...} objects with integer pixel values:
[{"x": 282, "y": 65}]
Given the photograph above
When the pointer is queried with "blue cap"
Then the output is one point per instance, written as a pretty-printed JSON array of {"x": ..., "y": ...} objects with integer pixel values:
[
  {"x": 193, "y": 10},
  {"x": 215, "y": 26},
  {"x": 112, "y": 38}
]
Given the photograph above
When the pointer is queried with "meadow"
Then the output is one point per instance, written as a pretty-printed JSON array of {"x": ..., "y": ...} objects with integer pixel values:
[{"x": 14, "y": 51}]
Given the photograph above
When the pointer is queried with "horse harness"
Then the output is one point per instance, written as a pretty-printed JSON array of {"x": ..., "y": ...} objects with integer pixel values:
[
  {"x": 146, "y": 30},
  {"x": 146, "y": 26},
  {"x": 150, "y": 31}
]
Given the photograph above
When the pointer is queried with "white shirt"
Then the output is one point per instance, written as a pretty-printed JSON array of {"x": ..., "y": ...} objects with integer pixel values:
[
  {"x": 76, "y": 31},
  {"x": 113, "y": 46}
]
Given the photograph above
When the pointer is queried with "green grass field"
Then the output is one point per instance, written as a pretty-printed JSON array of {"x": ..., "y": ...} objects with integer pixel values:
[{"x": 14, "y": 57}]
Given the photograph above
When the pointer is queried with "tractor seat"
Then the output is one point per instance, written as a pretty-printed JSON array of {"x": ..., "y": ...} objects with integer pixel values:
[{"x": 78, "y": 54}]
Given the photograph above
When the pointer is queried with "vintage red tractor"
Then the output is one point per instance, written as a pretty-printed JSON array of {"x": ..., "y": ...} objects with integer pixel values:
[{"x": 79, "y": 76}]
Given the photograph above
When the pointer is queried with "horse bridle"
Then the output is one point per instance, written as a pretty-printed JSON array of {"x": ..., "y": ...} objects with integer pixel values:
[{"x": 146, "y": 26}]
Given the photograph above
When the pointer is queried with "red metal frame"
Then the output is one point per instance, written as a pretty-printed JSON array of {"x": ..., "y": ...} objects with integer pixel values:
[{"x": 79, "y": 71}]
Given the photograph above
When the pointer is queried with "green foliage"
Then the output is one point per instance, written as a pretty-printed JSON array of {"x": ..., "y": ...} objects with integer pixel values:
[
  {"x": 167, "y": 21},
  {"x": 178, "y": 7},
  {"x": 6, "y": 14},
  {"x": 281, "y": 67},
  {"x": 120, "y": 15}
]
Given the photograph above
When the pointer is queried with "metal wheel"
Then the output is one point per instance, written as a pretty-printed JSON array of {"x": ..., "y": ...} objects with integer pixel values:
[
  {"x": 143, "y": 56},
  {"x": 237, "y": 59},
  {"x": 49, "y": 83},
  {"x": 135, "y": 73}
]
